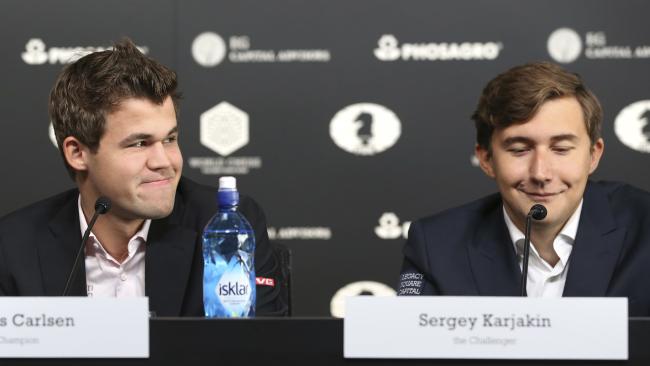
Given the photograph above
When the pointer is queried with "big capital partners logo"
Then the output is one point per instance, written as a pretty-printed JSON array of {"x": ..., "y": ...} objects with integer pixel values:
[
  {"x": 389, "y": 49},
  {"x": 224, "y": 129},
  {"x": 209, "y": 49},
  {"x": 565, "y": 45},
  {"x": 632, "y": 126},
  {"x": 365, "y": 129},
  {"x": 299, "y": 233},
  {"x": 37, "y": 53}
]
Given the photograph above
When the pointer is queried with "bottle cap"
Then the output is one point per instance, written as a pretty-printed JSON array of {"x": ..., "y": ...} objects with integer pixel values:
[{"x": 227, "y": 183}]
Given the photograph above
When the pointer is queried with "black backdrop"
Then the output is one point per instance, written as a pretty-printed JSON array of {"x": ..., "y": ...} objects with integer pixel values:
[{"x": 264, "y": 82}]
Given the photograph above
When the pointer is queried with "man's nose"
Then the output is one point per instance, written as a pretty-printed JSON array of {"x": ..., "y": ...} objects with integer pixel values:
[
  {"x": 541, "y": 169},
  {"x": 158, "y": 156}
]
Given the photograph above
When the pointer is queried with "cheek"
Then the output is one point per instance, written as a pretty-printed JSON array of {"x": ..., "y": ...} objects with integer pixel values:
[
  {"x": 510, "y": 171},
  {"x": 574, "y": 171},
  {"x": 127, "y": 168},
  {"x": 175, "y": 157}
]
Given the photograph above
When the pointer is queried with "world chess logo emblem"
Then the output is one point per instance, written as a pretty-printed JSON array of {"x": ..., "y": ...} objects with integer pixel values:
[{"x": 224, "y": 128}]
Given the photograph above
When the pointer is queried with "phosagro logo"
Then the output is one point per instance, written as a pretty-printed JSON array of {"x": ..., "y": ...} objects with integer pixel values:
[
  {"x": 390, "y": 228},
  {"x": 632, "y": 126},
  {"x": 36, "y": 53},
  {"x": 564, "y": 45},
  {"x": 208, "y": 49},
  {"x": 365, "y": 128},
  {"x": 389, "y": 49},
  {"x": 371, "y": 288}
]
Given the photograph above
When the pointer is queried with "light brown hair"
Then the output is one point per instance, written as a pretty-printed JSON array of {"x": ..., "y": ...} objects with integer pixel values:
[{"x": 516, "y": 95}]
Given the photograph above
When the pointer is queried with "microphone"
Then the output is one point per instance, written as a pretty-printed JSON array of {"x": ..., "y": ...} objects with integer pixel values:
[
  {"x": 537, "y": 212},
  {"x": 102, "y": 205}
]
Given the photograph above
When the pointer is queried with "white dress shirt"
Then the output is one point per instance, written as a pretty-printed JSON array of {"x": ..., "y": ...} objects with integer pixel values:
[
  {"x": 105, "y": 276},
  {"x": 545, "y": 280}
]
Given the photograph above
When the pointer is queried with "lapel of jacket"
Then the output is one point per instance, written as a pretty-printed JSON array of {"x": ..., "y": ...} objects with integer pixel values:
[
  {"x": 170, "y": 251},
  {"x": 597, "y": 246},
  {"x": 492, "y": 256},
  {"x": 58, "y": 248}
]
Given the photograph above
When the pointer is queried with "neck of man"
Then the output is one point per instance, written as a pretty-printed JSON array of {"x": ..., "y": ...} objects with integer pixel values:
[
  {"x": 543, "y": 238},
  {"x": 112, "y": 232}
]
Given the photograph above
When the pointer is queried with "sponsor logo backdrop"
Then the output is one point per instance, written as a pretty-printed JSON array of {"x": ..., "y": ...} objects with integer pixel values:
[{"x": 345, "y": 120}]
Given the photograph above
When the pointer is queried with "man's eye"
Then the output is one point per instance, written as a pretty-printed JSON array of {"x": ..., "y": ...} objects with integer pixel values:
[
  {"x": 170, "y": 139},
  {"x": 562, "y": 149},
  {"x": 138, "y": 144},
  {"x": 517, "y": 150}
]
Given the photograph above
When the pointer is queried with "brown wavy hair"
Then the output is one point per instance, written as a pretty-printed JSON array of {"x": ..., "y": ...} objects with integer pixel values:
[{"x": 93, "y": 86}]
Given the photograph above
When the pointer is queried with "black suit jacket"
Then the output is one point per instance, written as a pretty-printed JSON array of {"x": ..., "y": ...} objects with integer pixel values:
[
  {"x": 468, "y": 250},
  {"x": 38, "y": 245}
]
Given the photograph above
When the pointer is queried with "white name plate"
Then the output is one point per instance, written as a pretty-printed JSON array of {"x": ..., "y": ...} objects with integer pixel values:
[
  {"x": 486, "y": 327},
  {"x": 74, "y": 327}
]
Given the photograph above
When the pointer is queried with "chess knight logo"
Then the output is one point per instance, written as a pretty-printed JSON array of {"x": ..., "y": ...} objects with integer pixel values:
[
  {"x": 365, "y": 129},
  {"x": 632, "y": 126}
]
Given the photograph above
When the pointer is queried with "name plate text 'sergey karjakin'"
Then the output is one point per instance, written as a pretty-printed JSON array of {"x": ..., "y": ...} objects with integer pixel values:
[{"x": 486, "y": 327}]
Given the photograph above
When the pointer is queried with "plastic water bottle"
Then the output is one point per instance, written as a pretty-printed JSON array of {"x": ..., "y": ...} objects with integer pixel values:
[{"x": 228, "y": 263}]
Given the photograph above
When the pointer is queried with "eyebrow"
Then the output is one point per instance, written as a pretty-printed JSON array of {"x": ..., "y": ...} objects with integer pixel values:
[
  {"x": 565, "y": 137},
  {"x": 143, "y": 136},
  {"x": 528, "y": 141}
]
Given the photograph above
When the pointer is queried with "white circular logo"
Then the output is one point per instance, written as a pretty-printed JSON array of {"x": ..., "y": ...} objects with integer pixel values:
[
  {"x": 208, "y": 49},
  {"x": 50, "y": 132},
  {"x": 632, "y": 126},
  {"x": 564, "y": 45},
  {"x": 372, "y": 288},
  {"x": 365, "y": 129}
]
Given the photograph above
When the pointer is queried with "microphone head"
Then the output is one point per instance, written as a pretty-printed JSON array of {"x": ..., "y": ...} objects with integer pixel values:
[
  {"x": 102, "y": 205},
  {"x": 538, "y": 212}
]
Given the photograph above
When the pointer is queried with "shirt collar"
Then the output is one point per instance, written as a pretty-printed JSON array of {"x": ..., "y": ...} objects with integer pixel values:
[
  {"x": 83, "y": 224},
  {"x": 568, "y": 232}
]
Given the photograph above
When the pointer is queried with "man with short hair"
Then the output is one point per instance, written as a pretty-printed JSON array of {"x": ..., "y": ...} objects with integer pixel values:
[
  {"x": 114, "y": 115},
  {"x": 538, "y": 137}
]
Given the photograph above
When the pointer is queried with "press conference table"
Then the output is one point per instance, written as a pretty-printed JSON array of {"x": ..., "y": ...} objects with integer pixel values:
[{"x": 290, "y": 341}]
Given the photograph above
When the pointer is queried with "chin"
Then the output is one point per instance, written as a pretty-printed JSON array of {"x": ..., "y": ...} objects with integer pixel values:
[{"x": 157, "y": 212}]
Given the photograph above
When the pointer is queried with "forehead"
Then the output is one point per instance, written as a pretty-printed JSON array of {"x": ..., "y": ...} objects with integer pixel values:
[
  {"x": 561, "y": 116},
  {"x": 135, "y": 114}
]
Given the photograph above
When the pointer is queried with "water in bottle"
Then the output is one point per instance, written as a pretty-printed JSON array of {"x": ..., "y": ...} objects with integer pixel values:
[{"x": 228, "y": 249}]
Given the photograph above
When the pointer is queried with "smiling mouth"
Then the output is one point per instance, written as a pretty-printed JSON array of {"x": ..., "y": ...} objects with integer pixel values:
[
  {"x": 157, "y": 182},
  {"x": 540, "y": 196}
]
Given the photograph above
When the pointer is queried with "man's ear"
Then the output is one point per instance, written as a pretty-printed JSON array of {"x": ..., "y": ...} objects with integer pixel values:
[
  {"x": 76, "y": 153},
  {"x": 596, "y": 153},
  {"x": 484, "y": 157}
]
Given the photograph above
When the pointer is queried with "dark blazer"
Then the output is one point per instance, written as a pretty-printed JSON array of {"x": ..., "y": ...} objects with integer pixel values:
[
  {"x": 468, "y": 250},
  {"x": 38, "y": 245}
]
